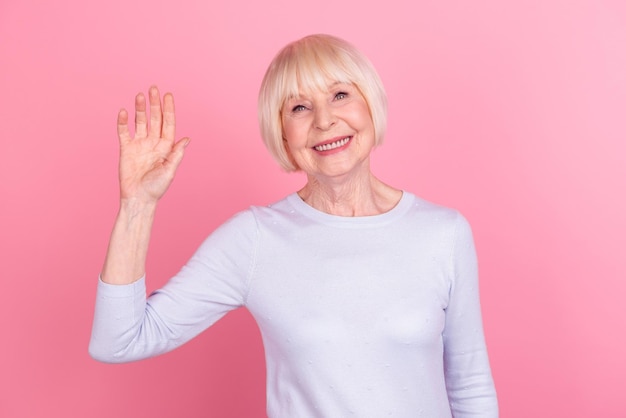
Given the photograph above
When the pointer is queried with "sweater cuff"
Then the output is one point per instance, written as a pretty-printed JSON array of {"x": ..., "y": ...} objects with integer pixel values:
[{"x": 122, "y": 290}]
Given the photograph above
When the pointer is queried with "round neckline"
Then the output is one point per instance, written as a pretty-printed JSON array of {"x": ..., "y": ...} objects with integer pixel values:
[{"x": 383, "y": 218}]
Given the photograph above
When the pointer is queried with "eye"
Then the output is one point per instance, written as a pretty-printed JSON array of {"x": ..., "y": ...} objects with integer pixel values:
[
  {"x": 298, "y": 108},
  {"x": 341, "y": 95}
]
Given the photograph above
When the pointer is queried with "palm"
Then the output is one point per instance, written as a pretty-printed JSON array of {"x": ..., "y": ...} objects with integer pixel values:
[{"x": 149, "y": 161}]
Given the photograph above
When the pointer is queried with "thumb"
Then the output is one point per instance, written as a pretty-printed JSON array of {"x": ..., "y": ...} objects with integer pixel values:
[{"x": 177, "y": 153}]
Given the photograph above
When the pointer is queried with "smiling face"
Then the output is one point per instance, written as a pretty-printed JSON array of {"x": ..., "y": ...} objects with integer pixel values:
[
  {"x": 330, "y": 133},
  {"x": 302, "y": 70}
]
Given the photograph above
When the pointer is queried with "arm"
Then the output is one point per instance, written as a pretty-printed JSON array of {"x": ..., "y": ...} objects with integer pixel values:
[
  {"x": 468, "y": 376},
  {"x": 147, "y": 166},
  {"x": 215, "y": 280},
  {"x": 127, "y": 326}
]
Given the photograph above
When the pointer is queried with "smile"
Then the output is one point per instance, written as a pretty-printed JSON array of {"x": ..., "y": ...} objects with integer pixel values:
[{"x": 333, "y": 145}]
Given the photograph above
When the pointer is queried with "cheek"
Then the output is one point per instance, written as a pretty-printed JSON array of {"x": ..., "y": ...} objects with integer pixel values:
[
  {"x": 288, "y": 139},
  {"x": 361, "y": 117},
  {"x": 293, "y": 133}
]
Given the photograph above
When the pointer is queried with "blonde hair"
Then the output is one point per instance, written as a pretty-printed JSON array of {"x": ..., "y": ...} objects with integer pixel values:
[{"x": 310, "y": 64}]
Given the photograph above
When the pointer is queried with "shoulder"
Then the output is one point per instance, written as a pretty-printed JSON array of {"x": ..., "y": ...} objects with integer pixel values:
[
  {"x": 247, "y": 223},
  {"x": 238, "y": 231},
  {"x": 240, "y": 221},
  {"x": 436, "y": 214},
  {"x": 439, "y": 225},
  {"x": 250, "y": 217},
  {"x": 278, "y": 215}
]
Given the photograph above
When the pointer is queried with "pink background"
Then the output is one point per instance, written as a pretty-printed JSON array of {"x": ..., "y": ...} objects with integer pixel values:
[{"x": 511, "y": 111}]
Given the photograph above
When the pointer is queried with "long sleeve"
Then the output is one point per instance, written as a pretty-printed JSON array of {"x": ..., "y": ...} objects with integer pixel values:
[
  {"x": 128, "y": 326},
  {"x": 468, "y": 376}
]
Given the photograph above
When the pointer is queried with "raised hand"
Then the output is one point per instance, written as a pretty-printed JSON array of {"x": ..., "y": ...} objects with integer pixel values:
[{"x": 149, "y": 161}]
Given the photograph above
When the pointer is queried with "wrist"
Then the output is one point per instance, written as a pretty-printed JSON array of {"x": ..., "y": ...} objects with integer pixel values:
[{"x": 137, "y": 206}]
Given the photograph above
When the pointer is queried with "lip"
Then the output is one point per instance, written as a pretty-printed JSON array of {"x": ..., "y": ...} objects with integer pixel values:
[{"x": 331, "y": 141}]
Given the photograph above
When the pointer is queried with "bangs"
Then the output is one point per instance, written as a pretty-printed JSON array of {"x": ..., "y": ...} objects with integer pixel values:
[{"x": 315, "y": 68}]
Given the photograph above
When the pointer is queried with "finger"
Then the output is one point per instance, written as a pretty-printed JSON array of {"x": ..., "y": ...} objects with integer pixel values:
[
  {"x": 176, "y": 155},
  {"x": 141, "y": 121},
  {"x": 122, "y": 126},
  {"x": 169, "y": 118},
  {"x": 155, "y": 112}
]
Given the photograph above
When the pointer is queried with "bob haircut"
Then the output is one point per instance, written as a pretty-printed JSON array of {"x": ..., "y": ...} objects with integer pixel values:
[{"x": 313, "y": 63}]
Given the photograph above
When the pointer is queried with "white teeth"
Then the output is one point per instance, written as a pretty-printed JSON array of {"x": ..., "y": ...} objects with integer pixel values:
[{"x": 333, "y": 145}]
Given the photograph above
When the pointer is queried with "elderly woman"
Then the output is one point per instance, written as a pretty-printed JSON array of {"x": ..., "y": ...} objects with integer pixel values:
[{"x": 366, "y": 296}]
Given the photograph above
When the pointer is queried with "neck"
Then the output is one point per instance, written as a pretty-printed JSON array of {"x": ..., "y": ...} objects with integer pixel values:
[{"x": 356, "y": 196}]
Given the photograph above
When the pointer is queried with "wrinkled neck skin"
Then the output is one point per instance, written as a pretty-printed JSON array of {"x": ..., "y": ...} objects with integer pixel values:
[{"x": 357, "y": 193}]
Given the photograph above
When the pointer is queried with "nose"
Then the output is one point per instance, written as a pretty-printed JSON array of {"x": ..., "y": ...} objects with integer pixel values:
[{"x": 324, "y": 117}]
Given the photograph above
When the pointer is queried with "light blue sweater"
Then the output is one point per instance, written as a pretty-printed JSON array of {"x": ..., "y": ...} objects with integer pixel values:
[{"x": 360, "y": 316}]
